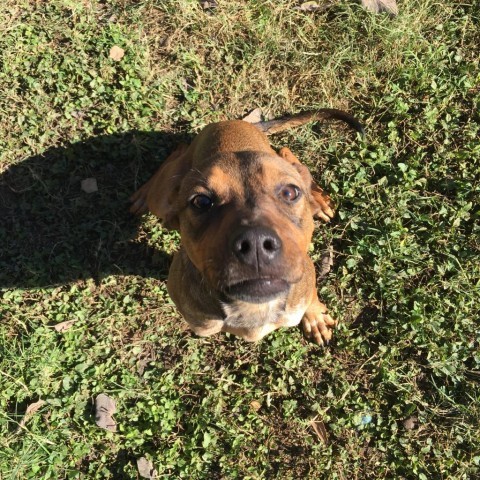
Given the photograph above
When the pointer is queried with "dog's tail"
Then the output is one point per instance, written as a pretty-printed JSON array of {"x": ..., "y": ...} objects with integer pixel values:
[{"x": 290, "y": 121}]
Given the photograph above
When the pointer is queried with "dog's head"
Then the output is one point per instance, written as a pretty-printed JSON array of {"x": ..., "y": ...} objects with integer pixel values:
[{"x": 245, "y": 217}]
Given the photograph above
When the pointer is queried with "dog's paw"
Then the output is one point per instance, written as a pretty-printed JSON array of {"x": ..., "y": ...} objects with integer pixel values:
[
  {"x": 317, "y": 324},
  {"x": 323, "y": 204}
]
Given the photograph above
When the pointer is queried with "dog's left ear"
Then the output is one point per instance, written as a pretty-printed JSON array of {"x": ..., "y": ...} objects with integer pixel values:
[{"x": 320, "y": 202}]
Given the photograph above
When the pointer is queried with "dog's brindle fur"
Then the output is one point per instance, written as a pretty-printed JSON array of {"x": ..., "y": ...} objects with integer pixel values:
[{"x": 245, "y": 214}]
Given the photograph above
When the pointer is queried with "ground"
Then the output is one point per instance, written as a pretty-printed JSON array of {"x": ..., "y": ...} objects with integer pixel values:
[{"x": 395, "y": 395}]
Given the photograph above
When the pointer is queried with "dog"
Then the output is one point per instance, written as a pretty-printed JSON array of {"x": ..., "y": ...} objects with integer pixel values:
[{"x": 246, "y": 217}]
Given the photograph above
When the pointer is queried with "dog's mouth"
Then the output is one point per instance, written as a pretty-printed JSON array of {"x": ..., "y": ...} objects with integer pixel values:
[{"x": 259, "y": 290}]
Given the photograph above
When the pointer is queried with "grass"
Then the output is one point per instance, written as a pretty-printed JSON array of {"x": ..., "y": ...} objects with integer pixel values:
[{"x": 397, "y": 393}]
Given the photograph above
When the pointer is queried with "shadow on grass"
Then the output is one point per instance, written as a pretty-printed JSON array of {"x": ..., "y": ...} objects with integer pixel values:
[{"x": 52, "y": 232}]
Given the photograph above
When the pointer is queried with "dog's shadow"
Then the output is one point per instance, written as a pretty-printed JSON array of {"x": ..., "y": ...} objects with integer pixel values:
[{"x": 52, "y": 232}]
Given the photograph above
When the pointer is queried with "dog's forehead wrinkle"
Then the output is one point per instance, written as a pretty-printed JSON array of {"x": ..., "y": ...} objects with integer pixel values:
[
  {"x": 248, "y": 172},
  {"x": 198, "y": 173},
  {"x": 194, "y": 178}
]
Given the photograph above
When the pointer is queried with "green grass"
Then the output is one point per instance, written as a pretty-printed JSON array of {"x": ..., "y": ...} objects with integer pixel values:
[{"x": 397, "y": 391}]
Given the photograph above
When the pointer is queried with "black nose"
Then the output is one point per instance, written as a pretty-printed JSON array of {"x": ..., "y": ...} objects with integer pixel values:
[{"x": 256, "y": 246}]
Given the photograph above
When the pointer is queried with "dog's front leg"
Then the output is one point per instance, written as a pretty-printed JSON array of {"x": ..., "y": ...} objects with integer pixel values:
[{"x": 316, "y": 323}]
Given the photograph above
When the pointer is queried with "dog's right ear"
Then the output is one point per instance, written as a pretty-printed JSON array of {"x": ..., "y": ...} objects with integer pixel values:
[
  {"x": 320, "y": 202},
  {"x": 159, "y": 194}
]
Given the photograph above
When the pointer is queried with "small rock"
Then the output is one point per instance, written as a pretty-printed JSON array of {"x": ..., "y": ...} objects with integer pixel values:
[{"x": 89, "y": 185}]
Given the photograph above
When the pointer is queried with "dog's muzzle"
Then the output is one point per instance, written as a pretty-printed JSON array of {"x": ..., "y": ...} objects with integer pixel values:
[{"x": 258, "y": 251}]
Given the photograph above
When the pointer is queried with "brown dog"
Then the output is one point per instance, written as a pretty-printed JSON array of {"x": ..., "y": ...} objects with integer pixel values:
[{"x": 245, "y": 214}]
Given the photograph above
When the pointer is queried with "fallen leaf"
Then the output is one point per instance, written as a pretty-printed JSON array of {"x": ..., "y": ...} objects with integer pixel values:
[
  {"x": 145, "y": 468},
  {"x": 208, "y": 4},
  {"x": 104, "y": 409},
  {"x": 116, "y": 53},
  {"x": 379, "y": 6},
  {"x": 256, "y": 405},
  {"x": 309, "y": 7},
  {"x": 254, "y": 116},
  {"x": 326, "y": 262},
  {"x": 64, "y": 326},
  {"x": 29, "y": 412},
  {"x": 166, "y": 41},
  {"x": 319, "y": 428},
  {"x": 145, "y": 358},
  {"x": 89, "y": 185},
  {"x": 410, "y": 423},
  {"x": 77, "y": 114}
]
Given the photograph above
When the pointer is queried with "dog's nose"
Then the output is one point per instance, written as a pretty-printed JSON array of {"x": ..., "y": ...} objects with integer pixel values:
[{"x": 256, "y": 246}]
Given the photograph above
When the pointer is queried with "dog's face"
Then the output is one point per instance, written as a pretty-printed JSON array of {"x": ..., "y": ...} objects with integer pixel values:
[
  {"x": 245, "y": 218},
  {"x": 246, "y": 224}
]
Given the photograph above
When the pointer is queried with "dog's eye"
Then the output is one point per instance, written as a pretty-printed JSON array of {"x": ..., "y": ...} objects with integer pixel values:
[
  {"x": 290, "y": 193},
  {"x": 201, "y": 202}
]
